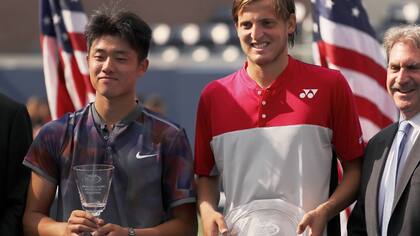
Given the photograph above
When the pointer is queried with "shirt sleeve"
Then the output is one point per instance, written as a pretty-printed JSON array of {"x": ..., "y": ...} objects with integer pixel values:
[
  {"x": 347, "y": 133},
  {"x": 204, "y": 160},
  {"x": 178, "y": 175},
  {"x": 43, "y": 154}
]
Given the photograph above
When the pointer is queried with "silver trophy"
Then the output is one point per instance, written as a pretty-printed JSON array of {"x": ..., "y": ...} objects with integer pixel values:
[
  {"x": 93, "y": 182},
  {"x": 267, "y": 217}
]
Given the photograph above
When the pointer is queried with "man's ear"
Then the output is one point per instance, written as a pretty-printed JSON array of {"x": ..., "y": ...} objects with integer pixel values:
[
  {"x": 291, "y": 24},
  {"x": 142, "y": 67}
]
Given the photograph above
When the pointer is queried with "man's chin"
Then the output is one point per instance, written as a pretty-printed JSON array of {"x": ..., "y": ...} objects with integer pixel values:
[
  {"x": 408, "y": 109},
  {"x": 260, "y": 60}
]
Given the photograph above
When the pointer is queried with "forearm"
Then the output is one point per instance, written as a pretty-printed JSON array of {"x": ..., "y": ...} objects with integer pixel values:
[
  {"x": 346, "y": 191},
  {"x": 184, "y": 223},
  {"x": 174, "y": 227},
  {"x": 207, "y": 193},
  {"x": 35, "y": 219},
  {"x": 35, "y": 223}
]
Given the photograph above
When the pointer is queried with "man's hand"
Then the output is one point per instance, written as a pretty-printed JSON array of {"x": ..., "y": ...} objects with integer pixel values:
[
  {"x": 208, "y": 196},
  {"x": 81, "y": 221},
  {"x": 111, "y": 230},
  {"x": 213, "y": 223},
  {"x": 315, "y": 220}
]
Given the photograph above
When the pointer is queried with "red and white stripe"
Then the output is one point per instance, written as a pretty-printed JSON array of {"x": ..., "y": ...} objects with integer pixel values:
[
  {"x": 66, "y": 75},
  {"x": 360, "y": 58}
]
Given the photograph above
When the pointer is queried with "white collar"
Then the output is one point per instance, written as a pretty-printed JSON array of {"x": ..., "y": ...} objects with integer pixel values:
[{"x": 414, "y": 121}]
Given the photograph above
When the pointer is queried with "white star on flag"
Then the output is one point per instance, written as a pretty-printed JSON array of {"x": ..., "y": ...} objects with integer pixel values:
[
  {"x": 56, "y": 19},
  {"x": 329, "y": 4},
  {"x": 355, "y": 12},
  {"x": 46, "y": 21}
]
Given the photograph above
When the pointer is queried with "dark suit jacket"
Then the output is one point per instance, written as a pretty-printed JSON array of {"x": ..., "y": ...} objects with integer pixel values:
[
  {"x": 15, "y": 138},
  {"x": 405, "y": 218}
]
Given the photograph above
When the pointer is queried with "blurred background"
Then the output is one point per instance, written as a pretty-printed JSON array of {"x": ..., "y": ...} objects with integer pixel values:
[{"x": 194, "y": 42}]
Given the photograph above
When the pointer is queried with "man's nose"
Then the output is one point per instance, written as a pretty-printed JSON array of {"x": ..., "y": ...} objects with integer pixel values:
[
  {"x": 107, "y": 66},
  {"x": 402, "y": 76},
  {"x": 256, "y": 32}
]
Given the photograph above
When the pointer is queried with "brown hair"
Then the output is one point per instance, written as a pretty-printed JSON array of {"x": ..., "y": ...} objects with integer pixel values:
[{"x": 283, "y": 9}]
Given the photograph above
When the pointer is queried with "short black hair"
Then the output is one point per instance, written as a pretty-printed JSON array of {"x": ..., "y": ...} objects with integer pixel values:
[{"x": 124, "y": 24}]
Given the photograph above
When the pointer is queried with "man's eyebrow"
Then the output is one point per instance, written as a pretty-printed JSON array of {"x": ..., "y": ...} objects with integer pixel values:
[
  {"x": 98, "y": 50},
  {"x": 118, "y": 52},
  {"x": 413, "y": 65}
]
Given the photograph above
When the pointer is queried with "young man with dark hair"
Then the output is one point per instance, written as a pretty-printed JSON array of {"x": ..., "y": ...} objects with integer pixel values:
[
  {"x": 151, "y": 194},
  {"x": 269, "y": 129}
]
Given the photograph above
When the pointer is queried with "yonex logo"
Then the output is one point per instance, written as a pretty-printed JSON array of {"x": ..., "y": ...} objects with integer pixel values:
[{"x": 308, "y": 93}]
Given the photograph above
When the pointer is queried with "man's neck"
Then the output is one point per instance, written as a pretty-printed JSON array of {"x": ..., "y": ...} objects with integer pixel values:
[
  {"x": 113, "y": 111},
  {"x": 265, "y": 75}
]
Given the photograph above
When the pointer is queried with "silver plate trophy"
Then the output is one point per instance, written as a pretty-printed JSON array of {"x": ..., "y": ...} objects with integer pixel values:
[
  {"x": 267, "y": 217},
  {"x": 93, "y": 182}
]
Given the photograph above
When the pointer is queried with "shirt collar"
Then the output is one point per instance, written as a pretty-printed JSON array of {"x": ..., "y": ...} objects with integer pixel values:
[
  {"x": 285, "y": 76},
  {"x": 133, "y": 115},
  {"x": 415, "y": 121}
]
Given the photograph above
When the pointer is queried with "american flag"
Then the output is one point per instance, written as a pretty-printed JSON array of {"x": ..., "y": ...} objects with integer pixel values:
[
  {"x": 64, "y": 56},
  {"x": 345, "y": 40}
]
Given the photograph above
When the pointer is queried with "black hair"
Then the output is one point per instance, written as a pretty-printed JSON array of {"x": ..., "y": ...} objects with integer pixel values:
[{"x": 121, "y": 23}]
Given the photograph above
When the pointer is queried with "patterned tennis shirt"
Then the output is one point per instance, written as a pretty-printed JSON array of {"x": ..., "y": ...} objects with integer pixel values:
[{"x": 151, "y": 155}]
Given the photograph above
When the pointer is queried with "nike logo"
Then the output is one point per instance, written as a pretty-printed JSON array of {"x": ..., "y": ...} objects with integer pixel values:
[{"x": 139, "y": 156}]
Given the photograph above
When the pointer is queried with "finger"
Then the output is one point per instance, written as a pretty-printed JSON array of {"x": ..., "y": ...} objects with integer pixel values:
[
  {"x": 82, "y": 221},
  {"x": 302, "y": 225},
  {"x": 100, "y": 222},
  {"x": 210, "y": 228},
  {"x": 88, "y": 217},
  {"x": 221, "y": 225},
  {"x": 78, "y": 228},
  {"x": 83, "y": 214},
  {"x": 96, "y": 233},
  {"x": 105, "y": 229},
  {"x": 211, "y": 232},
  {"x": 77, "y": 212}
]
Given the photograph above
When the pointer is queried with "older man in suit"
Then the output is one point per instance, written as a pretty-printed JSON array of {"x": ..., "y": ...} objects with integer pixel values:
[
  {"x": 15, "y": 138},
  {"x": 389, "y": 197}
]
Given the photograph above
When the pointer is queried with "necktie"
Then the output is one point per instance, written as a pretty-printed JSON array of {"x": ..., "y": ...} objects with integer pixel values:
[{"x": 390, "y": 182}]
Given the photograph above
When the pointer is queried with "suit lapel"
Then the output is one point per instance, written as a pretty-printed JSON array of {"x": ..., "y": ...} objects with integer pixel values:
[
  {"x": 381, "y": 150},
  {"x": 413, "y": 159}
]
